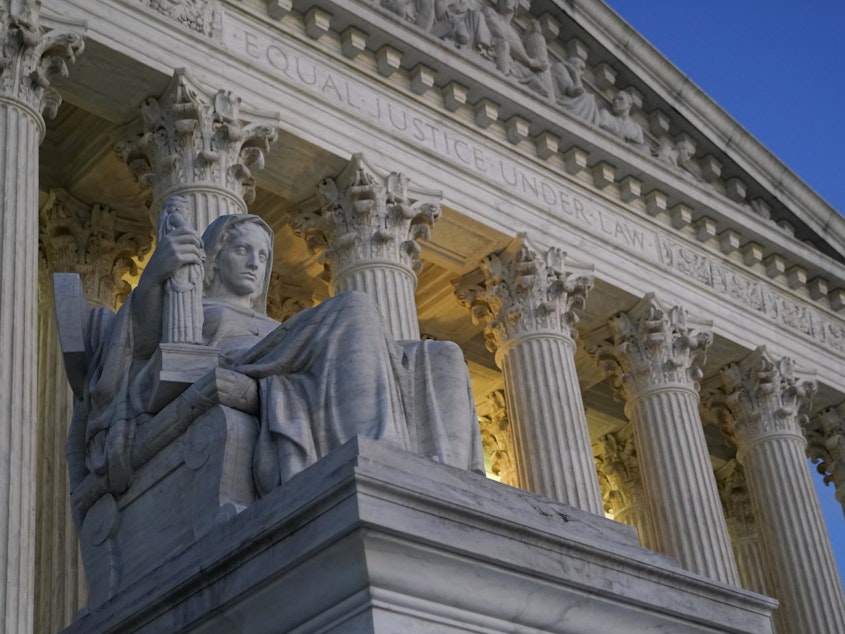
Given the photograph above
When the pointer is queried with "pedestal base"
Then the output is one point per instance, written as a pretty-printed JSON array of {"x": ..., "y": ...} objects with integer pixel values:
[{"x": 375, "y": 540}]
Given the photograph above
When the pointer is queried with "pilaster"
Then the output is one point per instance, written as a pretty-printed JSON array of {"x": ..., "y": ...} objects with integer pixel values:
[
  {"x": 92, "y": 241},
  {"x": 622, "y": 486},
  {"x": 653, "y": 357},
  {"x": 527, "y": 299},
  {"x": 366, "y": 226},
  {"x": 763, "y": 405},
  {"x": 200, "y": 144},
  {"x": 30, "y": 57}
]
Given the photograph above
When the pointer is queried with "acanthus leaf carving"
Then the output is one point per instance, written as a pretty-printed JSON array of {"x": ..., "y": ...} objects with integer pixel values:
[
  {"x": 523, "y": 290},
  {"x": 736, "y": 500},
  {"x": 651, "y": 346},
  {"x": 92, "y": 241},
  {"x": 826, "y": 446},
  {"x": 619, "y": 472},
  {"x": 497, "y": 439},
  {"x": 762, "y": 396},
  {"x": 191, "y": 136},
  {"x": 362, "y": 216},
  {"x": 31, "y": 56}
]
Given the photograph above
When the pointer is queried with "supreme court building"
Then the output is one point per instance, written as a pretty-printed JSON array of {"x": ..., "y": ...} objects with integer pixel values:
[{"x": 650, "y": 304}]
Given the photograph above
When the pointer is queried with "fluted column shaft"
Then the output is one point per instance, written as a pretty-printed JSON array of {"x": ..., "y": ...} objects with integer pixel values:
[
  {"x": 792, "y": 530},
  {"x": 392, "y": 287},
  {"x": 554, "y": 457},
  {"x": 639, "y": 516},
  {"x": 20, "y": 129},
  {"x": 366, "y": 225},
  {"x": 763, "y": 403},
  {"x": 749, "y": 561},
  {"x": 679, "y": 483},
  {"x": 653, "y": 356},
  {"x": 527, "y": 297}
]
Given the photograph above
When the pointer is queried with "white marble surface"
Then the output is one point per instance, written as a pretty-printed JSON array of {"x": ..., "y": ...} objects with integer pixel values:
[{"x": 373, "y": 539}]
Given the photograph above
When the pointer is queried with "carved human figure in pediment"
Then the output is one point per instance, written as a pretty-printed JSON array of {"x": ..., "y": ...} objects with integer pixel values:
[
  {"x": 679, "y": 155},
  {"x": 569, "y": 89},
  {"x": 619, "y": 123},
  {"x": 525, "y": 58},
  {"x": 326, "y": 375}
]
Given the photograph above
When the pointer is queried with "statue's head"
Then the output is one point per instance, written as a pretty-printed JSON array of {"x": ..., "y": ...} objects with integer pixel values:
[
  {"x": 239, "y": 259},
  {"x": 622, "y": 103}
]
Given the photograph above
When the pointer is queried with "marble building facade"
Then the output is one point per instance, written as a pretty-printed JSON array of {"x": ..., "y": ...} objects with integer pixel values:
[{"x": 649, "y": 302}]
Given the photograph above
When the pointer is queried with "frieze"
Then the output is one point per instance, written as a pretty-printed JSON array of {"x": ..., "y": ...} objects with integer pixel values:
[
  {"x": 751, "y": 293},
  {"x": 557, "y": 198}
]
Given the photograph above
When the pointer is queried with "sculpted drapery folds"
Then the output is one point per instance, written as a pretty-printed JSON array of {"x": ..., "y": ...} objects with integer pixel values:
[{"x": 324, "y": 376}]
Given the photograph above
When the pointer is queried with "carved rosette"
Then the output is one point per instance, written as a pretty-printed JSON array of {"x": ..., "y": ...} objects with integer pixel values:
[
  {"x": 497, "y": 438},
  {"x": 651, "y": 347},
  {"x": 762, "y": 397},
  {"x": 363, "y": 217},
  {"x": 31, "y": 56},
  {"x": 826, "y": 447},
  {"x": 92, "y": 241},
  {"x": 193, "y": 140},
  {"x": 523, "y": 290}
]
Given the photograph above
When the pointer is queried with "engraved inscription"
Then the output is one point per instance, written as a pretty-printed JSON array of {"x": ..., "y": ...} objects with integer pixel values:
[{"x": 558, "y": 199}]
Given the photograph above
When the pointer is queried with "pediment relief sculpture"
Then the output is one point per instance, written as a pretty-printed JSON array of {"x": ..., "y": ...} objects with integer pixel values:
[{"x": 191, "y": 392}]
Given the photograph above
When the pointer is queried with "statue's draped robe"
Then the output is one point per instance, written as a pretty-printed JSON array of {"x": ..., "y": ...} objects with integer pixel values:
[{"x": 326, "y": 375}]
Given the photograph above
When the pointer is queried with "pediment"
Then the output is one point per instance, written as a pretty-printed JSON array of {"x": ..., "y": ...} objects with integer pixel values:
[{"x": 675, "y": 153}]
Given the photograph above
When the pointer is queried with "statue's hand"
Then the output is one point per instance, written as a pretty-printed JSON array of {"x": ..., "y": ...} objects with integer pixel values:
[
  {"x": 179, "y": 247},
  {"x": 229, "y": 388}
]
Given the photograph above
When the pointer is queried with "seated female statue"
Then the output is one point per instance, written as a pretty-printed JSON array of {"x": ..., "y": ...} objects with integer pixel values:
[{"x": 324, "y": 376}]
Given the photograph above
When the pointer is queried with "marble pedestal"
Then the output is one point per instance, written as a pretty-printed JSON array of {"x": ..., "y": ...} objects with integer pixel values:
[{"x": 375, "y": 540}]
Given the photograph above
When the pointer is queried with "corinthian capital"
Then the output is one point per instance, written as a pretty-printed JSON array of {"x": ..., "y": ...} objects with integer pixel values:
[
  {"x": 651, "y": 346},
  {"x": 736, "y": 500},
  {"x": 762, "y": 396},
  {"x": 619, "y": 473},
  {"x": 31, "y": 56},
  {"x": 523, "y": 290},
  {"x": 192, "y": 138},
  {"x": 826, "y": 446},
  {"x": 363, "y": 216},
  {"x": 92, "y": 241}
]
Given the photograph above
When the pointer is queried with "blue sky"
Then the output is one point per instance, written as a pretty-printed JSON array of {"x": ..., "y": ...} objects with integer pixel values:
[{"x": 776, "y": 66}]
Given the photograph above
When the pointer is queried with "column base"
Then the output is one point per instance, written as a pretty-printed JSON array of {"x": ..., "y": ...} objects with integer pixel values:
[{"x": 375, "y": 540}]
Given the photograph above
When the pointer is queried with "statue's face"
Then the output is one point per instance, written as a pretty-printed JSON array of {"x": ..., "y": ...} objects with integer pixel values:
[
  {"x": 242, "y": 263},
  {"x": 621, "y": 103}
]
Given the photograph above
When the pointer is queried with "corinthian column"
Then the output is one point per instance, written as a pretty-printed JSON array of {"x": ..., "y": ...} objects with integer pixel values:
[
  {"x": 763, "y": 404},
  {"x": 826, "y": 446},
  {"x": 199, "y": 144},
  {"x": 742, "y": 527},
  {"x": 366, "y": 226},
  {"x": 29, "y": 58},
  {"x": 622, "y": 486},
  {"x": 653, "y": 357},
  {"x": 527, "y": 299},
  {"x": 91, "y": 241}
]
